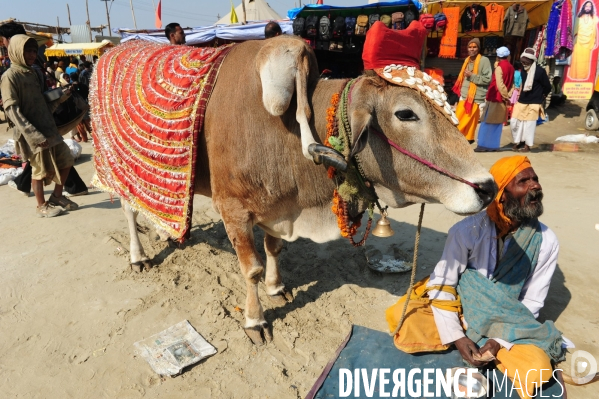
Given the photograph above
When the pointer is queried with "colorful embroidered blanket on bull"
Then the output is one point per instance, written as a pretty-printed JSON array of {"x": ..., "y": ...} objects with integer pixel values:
[{"x": 148, "y": 103}]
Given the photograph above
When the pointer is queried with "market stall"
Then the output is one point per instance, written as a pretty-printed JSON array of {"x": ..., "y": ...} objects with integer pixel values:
[
  {"x": 69, "y": 49},
  {"x": 514, "y": 24},
  {"x": 337, "y": 34}
]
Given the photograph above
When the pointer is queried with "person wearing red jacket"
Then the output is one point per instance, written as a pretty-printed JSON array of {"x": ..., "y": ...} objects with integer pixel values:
[{"x": 498, "y": 96}]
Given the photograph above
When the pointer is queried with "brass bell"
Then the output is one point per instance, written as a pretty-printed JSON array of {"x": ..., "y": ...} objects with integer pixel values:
[{"x": 383, "y": 226}]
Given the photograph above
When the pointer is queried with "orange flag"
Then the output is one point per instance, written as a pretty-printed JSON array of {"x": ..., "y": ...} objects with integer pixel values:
[{"x": 159, "y": 15}]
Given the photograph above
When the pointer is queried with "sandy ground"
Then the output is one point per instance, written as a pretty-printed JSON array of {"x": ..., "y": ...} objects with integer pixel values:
[{"x": 70, "y": 309}]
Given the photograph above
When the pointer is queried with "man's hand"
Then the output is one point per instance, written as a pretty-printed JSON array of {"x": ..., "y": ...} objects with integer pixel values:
[
  {"x": 468, "y": 73},
  {"x": 467, "y": 349},
  {"x": 44, "y": 144},
  {"x": 491, "y": 346}
]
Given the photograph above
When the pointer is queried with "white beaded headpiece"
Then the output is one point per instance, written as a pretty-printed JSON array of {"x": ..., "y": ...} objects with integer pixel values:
[{"x": 422, "y": 82}]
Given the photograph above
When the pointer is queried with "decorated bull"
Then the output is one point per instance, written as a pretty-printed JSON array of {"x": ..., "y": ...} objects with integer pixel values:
[{"x": 228, "y": 123}]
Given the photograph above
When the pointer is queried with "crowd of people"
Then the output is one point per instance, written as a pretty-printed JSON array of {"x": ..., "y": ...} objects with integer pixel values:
[{"x": 490, "y": 94}]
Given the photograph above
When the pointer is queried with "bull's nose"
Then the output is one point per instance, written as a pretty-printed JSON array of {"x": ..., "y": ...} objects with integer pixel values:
[{"x": 487, "y": 191}]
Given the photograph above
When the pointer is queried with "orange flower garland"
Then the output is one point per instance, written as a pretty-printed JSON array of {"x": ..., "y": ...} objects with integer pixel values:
[
  {"x": 339, "y": 207},
  {"x": 332, "y": 127}
]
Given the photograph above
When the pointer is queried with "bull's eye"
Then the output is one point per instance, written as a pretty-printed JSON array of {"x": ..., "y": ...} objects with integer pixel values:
[{"x": 405, "y": 115}]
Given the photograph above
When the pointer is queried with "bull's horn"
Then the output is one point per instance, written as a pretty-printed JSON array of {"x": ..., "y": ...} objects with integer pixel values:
[{"x": 322, "y": 154}]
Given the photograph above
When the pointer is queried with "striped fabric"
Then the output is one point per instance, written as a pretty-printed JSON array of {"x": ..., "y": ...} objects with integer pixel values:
[{"x": 148, "y": 102}]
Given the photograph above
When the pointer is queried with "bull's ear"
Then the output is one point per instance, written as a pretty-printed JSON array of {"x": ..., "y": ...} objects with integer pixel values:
[{"x": 360, "y": 120}]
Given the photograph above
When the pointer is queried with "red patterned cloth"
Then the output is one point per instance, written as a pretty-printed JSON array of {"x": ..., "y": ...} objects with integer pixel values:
[{"x": 148, "y": 103}]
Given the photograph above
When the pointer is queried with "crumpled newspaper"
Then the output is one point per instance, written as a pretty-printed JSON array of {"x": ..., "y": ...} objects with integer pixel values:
[{"x": 173, "y": 349}]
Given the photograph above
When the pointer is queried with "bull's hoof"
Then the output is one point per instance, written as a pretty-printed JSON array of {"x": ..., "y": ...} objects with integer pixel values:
[
  {"x": 139, "y": 266},
  {"x": 282, "y": 298},
  {"x": 322, "y": 154},
  {"x": 147, "y": 264},
  {"x": 259, "y": 334}
]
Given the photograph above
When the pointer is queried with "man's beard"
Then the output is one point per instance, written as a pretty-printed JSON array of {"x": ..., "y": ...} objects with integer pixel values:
[{"x": 527, "y": 211}]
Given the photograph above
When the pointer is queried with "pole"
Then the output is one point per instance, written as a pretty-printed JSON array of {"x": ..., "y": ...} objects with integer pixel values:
[
  {"x": 69, "y": 14},
  {"x": 58, "y": 31},
  {"x": 244, "y": 17},
  {"x": 88, "y": 23},
  {"x": 108, "y": 17},
  {"x": 133, "y": 13}
]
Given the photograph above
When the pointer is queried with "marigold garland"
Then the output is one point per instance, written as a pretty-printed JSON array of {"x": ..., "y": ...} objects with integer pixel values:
[
  {"x": 339, "y": 208},
  {"x": 331, "y": 127}
]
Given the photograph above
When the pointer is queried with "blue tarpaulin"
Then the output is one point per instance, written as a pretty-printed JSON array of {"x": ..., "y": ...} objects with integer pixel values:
[
  {"x": 369, "y": 351},
  {"x": 252, "y": 31},
  {"x": 366, "y": 7}
]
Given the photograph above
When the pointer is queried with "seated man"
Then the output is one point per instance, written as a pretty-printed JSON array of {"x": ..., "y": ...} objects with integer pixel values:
[
  {"x": 500, "y": 262},
  {"x": 175, "y": 34},
  {"x": 272, "y": 29}
]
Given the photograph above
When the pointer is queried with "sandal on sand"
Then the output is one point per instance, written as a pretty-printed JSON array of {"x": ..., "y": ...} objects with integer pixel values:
[
  {"x": 64, "y": 202},
  {"x": 48, "y": 210}
]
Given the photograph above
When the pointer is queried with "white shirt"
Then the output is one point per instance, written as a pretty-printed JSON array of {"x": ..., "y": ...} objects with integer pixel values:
[{"x": 472, "y": 242}]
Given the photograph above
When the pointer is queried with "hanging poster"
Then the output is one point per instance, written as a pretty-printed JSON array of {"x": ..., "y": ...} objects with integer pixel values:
[{"x": 580, "y": 75}]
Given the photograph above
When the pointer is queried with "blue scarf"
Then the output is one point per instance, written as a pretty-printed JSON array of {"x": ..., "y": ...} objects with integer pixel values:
[{"x": 491, "y": 306}]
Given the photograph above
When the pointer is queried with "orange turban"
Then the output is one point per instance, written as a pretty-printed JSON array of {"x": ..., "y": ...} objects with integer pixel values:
[{"x": 503, "y": 172}]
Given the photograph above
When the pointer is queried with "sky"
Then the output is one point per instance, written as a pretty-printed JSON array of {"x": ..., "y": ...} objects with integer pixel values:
[{"x": 190, "y": 13}]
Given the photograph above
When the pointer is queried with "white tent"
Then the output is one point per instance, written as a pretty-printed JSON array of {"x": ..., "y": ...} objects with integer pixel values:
[{"x": 255, "y": 10}]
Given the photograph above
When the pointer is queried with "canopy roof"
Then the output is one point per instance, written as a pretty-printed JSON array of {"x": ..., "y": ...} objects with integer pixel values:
[
  {"x": 194, "y": 36},
  {"x": 66, "y": 49},
  {"x": 386, "y": 7},
  {"x": 255, "y": 10}
]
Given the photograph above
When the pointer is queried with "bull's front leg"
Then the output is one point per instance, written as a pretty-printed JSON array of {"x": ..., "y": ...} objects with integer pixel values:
[
  {"x": 138, "y": 257},
  {"x": 239, "y": 225},
  {"x": 274, "y": 283}
]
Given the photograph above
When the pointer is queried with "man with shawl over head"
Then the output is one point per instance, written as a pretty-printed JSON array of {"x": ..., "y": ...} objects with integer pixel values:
[
  {"x": 471, "y": 86},
  {"x": 490, "y": 284},
  {"x": 528, "y": 109},
  {"x": 35, "y": 132}
]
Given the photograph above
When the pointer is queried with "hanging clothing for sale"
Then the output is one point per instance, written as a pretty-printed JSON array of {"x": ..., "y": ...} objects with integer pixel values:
[
  {"x": 564, "y": 40},
  {"x": 473, "y": 18},
  {"x": 515, "y": 21},
  {"x": 449, "y": 41},
  {"x": 495, "y": 14},
  {"x": 552, "y": 24},
  {"x": 539, "y": 46},
  {"x": 491, "y": 43}
]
